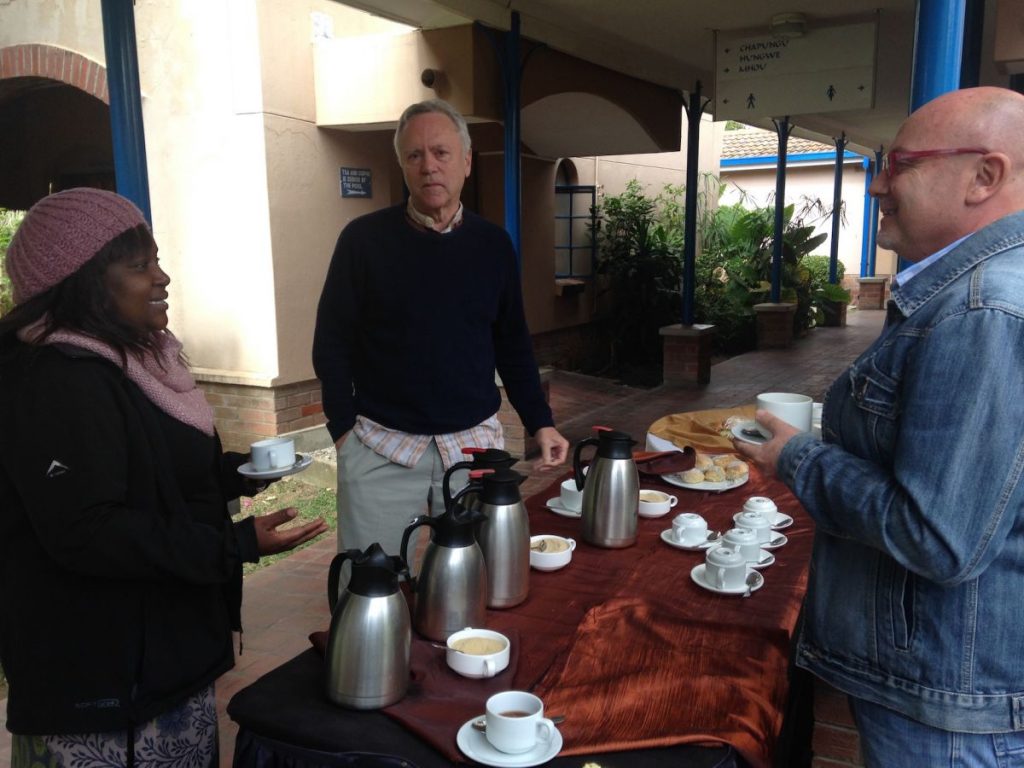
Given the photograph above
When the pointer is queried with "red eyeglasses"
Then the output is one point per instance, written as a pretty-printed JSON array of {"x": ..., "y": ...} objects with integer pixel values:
[{"x": 895, "y": 160}]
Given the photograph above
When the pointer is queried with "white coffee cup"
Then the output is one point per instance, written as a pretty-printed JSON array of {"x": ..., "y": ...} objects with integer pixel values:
[
  {"x": 757, "y": 522},
  {"x": 689, "y": 529},
  {"x": 791, "y": 408},
  {"x": 275, "y": 453},
  {"x": 466, "y": 655},
  {"x": 725, "y": 568},
  {"x": 515, "y": 722},
  {"x": 570, "y": 496},
  {"x": 656, "y": 503},
  {"x": 765, "y": 506},
  {"x": 745, "y": 541}
]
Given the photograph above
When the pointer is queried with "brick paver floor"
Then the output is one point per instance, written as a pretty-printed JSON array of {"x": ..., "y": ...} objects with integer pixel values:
[{"x": 285, "y": 602}]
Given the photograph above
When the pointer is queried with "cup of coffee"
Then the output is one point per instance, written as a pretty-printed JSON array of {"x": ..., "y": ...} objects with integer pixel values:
[
  {"x": 744, "y": 541},
  {"x": 689, "y": 529},
  {"x": 725, "y": 568},
  {"x": 275, "y": 453},
  {"x": 477, "y": 652},
  {"x": 516, "y": 722},
  {"x": 757, "y": 522},
  {"x": 571, "y": 497},
  {"x": 549, "y": 552},
  {"x": 791, "y": 408},
  {"x": 656, "y": 503}
]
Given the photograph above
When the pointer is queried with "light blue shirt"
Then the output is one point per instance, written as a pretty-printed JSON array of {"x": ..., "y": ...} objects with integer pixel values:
[{"x": 904, "y": 277}]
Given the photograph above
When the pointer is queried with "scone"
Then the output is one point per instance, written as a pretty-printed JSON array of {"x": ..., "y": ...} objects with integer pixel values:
[
  {"x": 724, "y": 461},
  {"x": 736, "y": 469},
  {"x": 693, "y": 476},
  {"x": 714, "y": 475},
  {"x": 703, "y": 462}
]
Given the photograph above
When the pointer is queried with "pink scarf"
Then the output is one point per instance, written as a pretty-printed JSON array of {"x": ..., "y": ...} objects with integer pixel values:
[{"x": 169, "y": 387}]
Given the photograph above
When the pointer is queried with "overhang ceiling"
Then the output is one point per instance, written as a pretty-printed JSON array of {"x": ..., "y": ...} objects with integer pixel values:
[{"x": 671, "y": 43}]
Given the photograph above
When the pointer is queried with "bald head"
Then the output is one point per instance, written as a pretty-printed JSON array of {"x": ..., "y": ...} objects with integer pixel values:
[{"x": 930, "y": 199}]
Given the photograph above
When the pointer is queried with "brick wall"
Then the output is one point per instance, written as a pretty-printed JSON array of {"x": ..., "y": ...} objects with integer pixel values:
[
  {"x": 835, "y": 742},
  {"x": 54, "y": 63},
  {"x": 246, "y": 414}
]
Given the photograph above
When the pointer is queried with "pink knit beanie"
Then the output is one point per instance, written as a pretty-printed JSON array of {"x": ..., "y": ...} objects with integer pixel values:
[{"x": 62, "y": 232}]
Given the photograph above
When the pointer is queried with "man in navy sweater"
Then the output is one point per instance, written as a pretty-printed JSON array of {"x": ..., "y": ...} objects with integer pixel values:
[{"x": 421, "y": 305}]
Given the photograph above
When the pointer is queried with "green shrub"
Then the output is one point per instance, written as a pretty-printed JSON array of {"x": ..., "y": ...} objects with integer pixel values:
[{"x": 9, "y": 222}]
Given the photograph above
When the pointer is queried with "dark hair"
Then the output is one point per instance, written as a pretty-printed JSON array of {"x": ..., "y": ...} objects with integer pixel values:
[{"x": 82, "y": 303}]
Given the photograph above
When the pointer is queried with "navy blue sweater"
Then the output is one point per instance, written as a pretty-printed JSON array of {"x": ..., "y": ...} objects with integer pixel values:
[{"x": 412, "y": 325}]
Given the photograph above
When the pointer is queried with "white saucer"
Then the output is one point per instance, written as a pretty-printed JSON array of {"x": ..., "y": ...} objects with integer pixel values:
[
  {"x": 301, "y": 462},
  {"x": 725, "y": 485},
  {"x": 669, "y": 539},
  {"x": 782, "y": 520},
  {"x": 697, "y": 574},
  {"x": 555, "y": 505},
  {"x": 474, "y": 745},
  {"x": 769, "y": 545},
  {"x": 737, "y": 432}
]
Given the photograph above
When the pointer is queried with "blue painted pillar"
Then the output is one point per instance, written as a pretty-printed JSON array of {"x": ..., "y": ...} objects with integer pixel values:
[
  {"x": 129, "y": 139},
  {"x": 866, "y": 234},
  {"x": 837, "y": 205},
  {"x": 938, "y": 49},
  {"x": 513, "y": 182},
  {"x": 783, "y": 128},
  {"x": 694, "y": 109}
]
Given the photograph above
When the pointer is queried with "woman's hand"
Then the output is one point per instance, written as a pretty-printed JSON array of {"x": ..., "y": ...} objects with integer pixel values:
[
  {"x": 270, "y": 540},
  {"x": 554, "y": 449},
  {"x": 766, "y": 455}
]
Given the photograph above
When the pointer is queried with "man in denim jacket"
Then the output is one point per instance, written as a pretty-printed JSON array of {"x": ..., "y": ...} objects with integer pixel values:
[{"x": 915, "y": 606}]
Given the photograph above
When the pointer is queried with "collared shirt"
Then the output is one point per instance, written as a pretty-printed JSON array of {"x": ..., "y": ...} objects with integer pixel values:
[
  {"x": 903, "y": 277},
  {"x": 405, "y": 449},
  {"x": 422, "y": 220}
]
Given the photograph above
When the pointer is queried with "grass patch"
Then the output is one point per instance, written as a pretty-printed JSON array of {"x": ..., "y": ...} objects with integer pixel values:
[{"x": 310, "y": 500}]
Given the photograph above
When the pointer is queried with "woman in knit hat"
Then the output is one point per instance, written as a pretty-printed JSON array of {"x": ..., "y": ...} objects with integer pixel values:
[{"x": 120, "y": 568}]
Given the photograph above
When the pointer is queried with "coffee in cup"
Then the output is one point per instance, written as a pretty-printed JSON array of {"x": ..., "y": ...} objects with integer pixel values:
[
  {"x": 656, "y": 503},
  {"x": 516, "y": 722}
]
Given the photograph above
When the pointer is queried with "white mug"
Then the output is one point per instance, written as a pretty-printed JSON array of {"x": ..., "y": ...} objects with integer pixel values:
[
  {"x": 758, "y": 523},
  {"x": 515, "y": 722},
  {"x": 744, "y": 541},
  {"x": 275, "y": 453},
  {"x": 792, "y": 408},
  {"x": 725, "y": 568},
  {"x": 477, "y": 662},
  {"x": 571, "y": 497},
  {"x": 690, "y": 529}
]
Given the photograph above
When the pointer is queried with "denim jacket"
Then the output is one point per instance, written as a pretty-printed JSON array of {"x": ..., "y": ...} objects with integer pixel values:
[{"x": 916, "y": 595}]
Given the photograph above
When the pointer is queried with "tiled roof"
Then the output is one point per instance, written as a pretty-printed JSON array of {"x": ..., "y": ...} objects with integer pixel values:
[{"x": 756, "y": 142}]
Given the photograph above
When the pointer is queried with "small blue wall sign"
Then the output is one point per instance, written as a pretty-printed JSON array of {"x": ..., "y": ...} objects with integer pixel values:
[{"x": 356, "y": 182}]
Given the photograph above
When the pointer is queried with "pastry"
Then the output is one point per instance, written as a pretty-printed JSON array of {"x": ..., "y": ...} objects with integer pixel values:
[
  {"x": 703, "y": 462},
  {"x": 736, "y": 469},
  {"x": 724, "y": 461},
  {"x": 693, "y": 476},
  {"x": 714, "y": 475}
]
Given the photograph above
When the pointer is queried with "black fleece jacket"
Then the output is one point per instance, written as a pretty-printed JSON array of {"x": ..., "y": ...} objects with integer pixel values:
[{"x": 120, "y": 569}]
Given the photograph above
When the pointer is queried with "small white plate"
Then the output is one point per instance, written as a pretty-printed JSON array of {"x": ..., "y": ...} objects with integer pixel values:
[
  {"x": 782, "y": 520},
  {"x": 475, "y": 746},
  {"x": 697, "y": 574},
  {"x": 301, "y": 463},
  {"x": 555, "y": 505},
  {"x": 778, "y": 539},
  {"x": 669, "y": 539},
  {"x": 737, "y": 432}
]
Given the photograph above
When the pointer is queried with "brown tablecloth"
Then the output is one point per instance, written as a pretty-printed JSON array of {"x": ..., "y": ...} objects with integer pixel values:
[{"x": 625, "y": 644}]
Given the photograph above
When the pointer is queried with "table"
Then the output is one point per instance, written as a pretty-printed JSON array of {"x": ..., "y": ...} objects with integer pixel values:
[{"x": 645, "y": 663}]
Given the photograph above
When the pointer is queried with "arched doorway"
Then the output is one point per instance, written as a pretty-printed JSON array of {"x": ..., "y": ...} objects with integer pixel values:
[{"x": 55, "y": 120}]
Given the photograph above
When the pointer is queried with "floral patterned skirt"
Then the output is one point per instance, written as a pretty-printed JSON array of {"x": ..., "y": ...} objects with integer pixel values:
[{"x": 184, "y": 737}]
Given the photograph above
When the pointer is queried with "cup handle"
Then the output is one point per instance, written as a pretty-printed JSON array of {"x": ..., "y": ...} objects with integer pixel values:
[
  {"x": 273, "y": 458},
  {"x": 672, "y": 501},
  {"x": 545, "y": 729},
  {"x": 488, "y": 667},
  {"x": 720, "y": 578},
  {"x": 572, "y": 544}
]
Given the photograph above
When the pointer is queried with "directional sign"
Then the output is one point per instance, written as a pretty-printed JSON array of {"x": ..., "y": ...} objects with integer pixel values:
[{"x": 826, "y": 70}]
